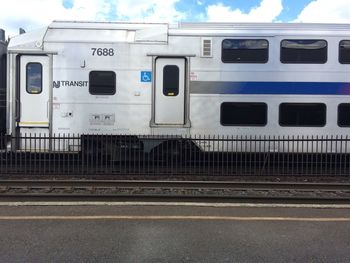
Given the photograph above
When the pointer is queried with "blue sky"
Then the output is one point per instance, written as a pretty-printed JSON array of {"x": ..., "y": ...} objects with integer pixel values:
[
  {"x": 290, "y": 11},
  {"x": 32, "y": 14}
]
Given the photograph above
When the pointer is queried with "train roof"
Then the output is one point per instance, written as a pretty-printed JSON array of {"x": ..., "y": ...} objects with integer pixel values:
[{"x": 107, "y": 32}]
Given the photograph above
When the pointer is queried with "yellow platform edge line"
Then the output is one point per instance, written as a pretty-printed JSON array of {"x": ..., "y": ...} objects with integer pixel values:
[{"x": 159, "y": 218}]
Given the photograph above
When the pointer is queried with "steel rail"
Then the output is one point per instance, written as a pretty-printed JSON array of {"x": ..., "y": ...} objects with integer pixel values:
[{"x": 177, "y": 189}]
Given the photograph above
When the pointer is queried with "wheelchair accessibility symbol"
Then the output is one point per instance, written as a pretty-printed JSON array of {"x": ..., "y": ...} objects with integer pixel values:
[{"x": 146, "y": 76}]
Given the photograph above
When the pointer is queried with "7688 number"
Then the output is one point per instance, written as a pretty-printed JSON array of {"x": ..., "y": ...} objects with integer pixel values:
[{"x": 105, "y": 52}]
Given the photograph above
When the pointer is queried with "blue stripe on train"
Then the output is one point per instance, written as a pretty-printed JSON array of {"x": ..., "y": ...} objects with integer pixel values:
[{"x": 307, "y": 88}]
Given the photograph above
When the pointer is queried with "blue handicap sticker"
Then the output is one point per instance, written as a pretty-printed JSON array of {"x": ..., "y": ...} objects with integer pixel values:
[{"x": 146, "y": 76}]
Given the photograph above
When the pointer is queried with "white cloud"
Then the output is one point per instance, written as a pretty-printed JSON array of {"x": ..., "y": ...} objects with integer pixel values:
[
  {"x": 32, "y": 14},
  {"x": 326, "y": 11},
  {"x": 267, "y": 11},
  {"x": 149, "y": 10}
]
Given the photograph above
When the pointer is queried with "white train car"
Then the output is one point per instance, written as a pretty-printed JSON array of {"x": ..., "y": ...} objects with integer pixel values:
[{"x": 183, "y": 79}]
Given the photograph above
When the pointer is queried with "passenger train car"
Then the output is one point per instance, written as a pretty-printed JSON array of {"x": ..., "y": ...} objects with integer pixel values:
[{"x": 184, "y": 79}]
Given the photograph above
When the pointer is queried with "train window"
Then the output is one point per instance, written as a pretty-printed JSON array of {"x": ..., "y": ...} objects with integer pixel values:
[
  {"x": 304, "y": 51},
  {"x": 102, "y": 83},
  {"x": 302, "y": 114},
  {"x": 243, "y": 114},
  {"x": 344, "y": 115},
  {"x": 3, "y": 72},
  {"x": 171, "y": 80},
  {"x": 344, "y": 52},
  {"x": 245, "y": 51},
  {"x": 34, "y": 78}
]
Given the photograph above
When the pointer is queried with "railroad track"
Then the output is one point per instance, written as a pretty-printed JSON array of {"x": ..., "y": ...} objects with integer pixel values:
[{"x": 175, "y": 189}]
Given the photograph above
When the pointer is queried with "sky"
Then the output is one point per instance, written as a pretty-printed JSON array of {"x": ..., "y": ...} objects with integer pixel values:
[{"x": 33, "y": 14}]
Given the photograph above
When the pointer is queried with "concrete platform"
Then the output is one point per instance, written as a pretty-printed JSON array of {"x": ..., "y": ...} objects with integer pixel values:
[{"x": 170, "y": 232}]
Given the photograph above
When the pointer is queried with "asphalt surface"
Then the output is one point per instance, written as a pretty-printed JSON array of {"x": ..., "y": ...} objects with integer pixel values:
[{"x": 161, "y": 233}]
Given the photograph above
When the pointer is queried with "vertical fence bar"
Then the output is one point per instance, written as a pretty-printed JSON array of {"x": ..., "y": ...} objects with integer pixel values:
[{"x": 346, "y": 166}]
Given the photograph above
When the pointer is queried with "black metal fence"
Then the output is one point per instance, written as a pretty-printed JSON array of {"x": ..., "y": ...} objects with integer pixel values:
[{"x": 94, "y": 155}]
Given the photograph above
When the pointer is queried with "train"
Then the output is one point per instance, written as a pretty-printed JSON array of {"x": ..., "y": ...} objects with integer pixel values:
[{"x": 129, "y": 79}]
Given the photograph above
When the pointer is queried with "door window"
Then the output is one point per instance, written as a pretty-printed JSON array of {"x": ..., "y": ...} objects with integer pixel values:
[
  {"x": 171, "y": 75},
  {"x": 34, "y": 73}
]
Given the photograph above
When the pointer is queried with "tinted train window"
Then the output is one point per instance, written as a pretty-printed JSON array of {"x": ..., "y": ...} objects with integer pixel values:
[
  {"x": 243, "y": 114},
  {"x": 3, "y": 72},
  {"x": 102, "y": 83},
  {"x": 171, "y": 78},
  {"x": 302, "y": 114},
  {"x": 344, "y": 115},
  {"x": 34, "y": 75},
  {"x": 344, "y": 52},
  {"x": 245, "y": 51},
  {"x": 304, "y": 51}
]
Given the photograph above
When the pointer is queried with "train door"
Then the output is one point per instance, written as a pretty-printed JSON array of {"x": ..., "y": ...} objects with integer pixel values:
[
  {"x": 33, "y": 115},
  {"x": 170, "y": 93}
]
